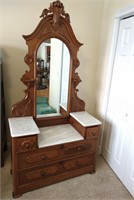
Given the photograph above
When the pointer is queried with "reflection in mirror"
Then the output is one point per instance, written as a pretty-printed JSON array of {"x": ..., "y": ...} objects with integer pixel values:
[{"x": 52, "y": 74}]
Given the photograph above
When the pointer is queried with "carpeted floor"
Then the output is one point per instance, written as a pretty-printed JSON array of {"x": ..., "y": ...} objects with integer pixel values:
[{"x": 103, "y": 185}]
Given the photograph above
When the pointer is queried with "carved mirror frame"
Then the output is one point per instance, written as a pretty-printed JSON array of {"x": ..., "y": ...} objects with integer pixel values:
[{"x": 55, "y": 23}]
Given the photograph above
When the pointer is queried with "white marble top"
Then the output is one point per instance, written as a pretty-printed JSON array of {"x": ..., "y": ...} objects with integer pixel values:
[
  {"x": 48, "y": 115},
  {"x": 58, "y": 134},
  {"x": 85, "y": 118},
  {"x": 23, "y": 126}
]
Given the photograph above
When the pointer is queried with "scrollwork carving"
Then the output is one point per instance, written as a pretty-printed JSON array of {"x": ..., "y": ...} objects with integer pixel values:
[
  {"x": 57, "y": 10},
  {"x": 76, "y": 63},
  {"x": 76, "y": 80},
  {"x": 29, "y": 83},
  {"x": 28, "y": 59},
  {"x": 22, "y": 108},
  {"x": 44, "y": 12},
  {"x": 27, "y": 77}
]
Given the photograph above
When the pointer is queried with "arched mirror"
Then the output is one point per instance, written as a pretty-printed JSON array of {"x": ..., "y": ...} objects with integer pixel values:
[
  {"x": 51, "y": 81},
  {"x": 52, "y": 77}
]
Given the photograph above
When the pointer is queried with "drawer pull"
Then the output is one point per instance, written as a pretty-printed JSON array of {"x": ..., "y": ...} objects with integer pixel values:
[
  {"x": 44, "y": 157},
  {"x": 93, "y": 133},
  {"x": 78, "y": 149},
  {"x": 27, "y": 144}
]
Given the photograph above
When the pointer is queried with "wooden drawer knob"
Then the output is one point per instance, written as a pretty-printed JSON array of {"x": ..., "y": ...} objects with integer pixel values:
[
  {"x": 43, "y": 157},
  {"x": 79, "y": 148},
  {"x": 27, "y": 144},
  {"x": 93, "y": 133}
]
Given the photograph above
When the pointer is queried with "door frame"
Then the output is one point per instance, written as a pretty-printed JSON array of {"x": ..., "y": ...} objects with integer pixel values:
[{"x": 123, "y": 13}]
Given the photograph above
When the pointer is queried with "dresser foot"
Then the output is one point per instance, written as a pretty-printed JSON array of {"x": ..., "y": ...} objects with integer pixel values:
[
  {"x": 16, "y": 195},
  {"x": 93, "y": 172}
]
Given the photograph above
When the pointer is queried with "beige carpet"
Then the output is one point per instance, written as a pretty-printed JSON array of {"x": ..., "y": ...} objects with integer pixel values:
[{"x": 102, "y": 185}]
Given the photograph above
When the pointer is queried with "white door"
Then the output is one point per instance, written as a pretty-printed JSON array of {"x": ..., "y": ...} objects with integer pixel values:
[
  {"x": 119, "y": 129},
  {"x": 128, "y": 178}
]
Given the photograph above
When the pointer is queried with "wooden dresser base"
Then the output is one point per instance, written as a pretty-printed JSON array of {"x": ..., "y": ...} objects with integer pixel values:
[
  {"x": 34, "y": 167},
  {"x": 58, "y": 153}
]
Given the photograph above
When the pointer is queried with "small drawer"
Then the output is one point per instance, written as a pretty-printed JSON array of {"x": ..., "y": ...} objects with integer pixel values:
[
  {"x": 85, "y": 146},
  {"x": 92, "y": 132},
  {"x": 26, "y": 143}
]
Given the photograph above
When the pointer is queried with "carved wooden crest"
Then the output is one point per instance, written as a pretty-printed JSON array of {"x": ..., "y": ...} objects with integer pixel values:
[{"x": 57, "y": 10}]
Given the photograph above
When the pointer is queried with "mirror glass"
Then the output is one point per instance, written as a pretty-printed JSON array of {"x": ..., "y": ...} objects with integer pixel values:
[{"x": 52, "y": 77}]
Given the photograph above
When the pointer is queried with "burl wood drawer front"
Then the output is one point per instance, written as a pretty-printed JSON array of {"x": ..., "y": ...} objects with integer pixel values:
[
  {"x": 38, "y": 157},
  {"x": 28, "y": 176},
  {"x": 77, "y": 163},
  {"x": 85, "y": 146},
  {"x": 51, "y": 170},
  {"x": 92, "y": 132},
  {"x": 45, "y": 155},
  {"x": 26, "y": 143}
]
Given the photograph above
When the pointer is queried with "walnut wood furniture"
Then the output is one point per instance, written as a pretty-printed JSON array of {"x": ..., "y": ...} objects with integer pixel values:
[
  {"x": 42, "y": 156},
  {"x": 50, "y": 149}
]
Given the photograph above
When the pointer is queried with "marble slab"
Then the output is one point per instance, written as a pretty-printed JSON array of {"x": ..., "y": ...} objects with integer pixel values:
[
  {"x": 48, "y": 115},
  {"x": 58, "y": 134},
  {"x": 85, "y": 119},
  {"x": 23, "y": 126}
]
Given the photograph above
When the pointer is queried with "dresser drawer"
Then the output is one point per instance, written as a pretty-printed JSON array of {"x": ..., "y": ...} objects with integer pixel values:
[
  {"x": 92, "y": 132},
  {"x": 54, "y": 169},
  {"x": 26, "y": 143},
  {"x": 79, "y": 162},
  {"x": 85, "y": 146},
  {"x": 38, "y": 157},
  {"x": 27, "y": 176},
  {"x": 47, "y": 154}
]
